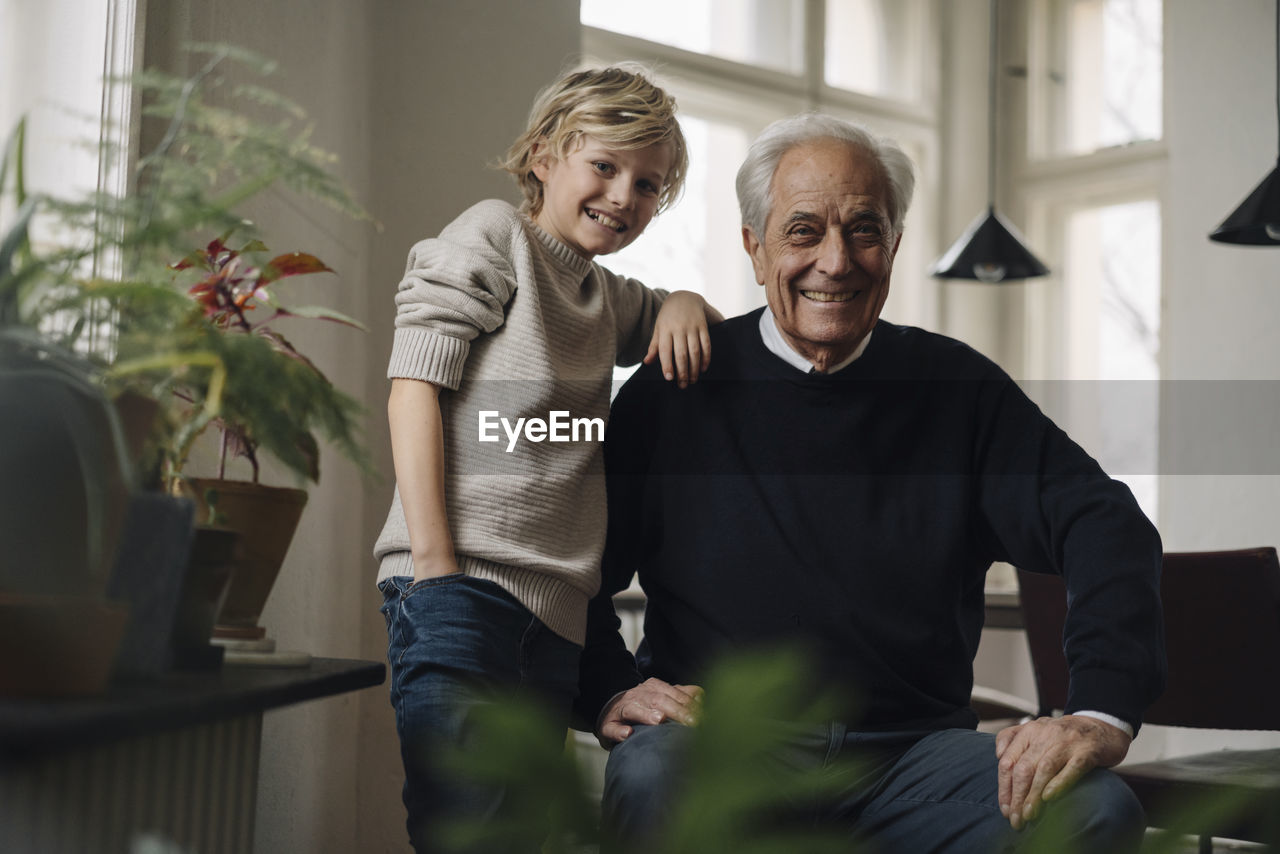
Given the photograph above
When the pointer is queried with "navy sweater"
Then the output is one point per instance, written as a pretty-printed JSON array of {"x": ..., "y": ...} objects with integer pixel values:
[{"x": 857, "y": 514}]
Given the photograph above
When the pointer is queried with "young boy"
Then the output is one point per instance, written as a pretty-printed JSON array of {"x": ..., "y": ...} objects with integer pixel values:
[{"x": 506, "y": 334}]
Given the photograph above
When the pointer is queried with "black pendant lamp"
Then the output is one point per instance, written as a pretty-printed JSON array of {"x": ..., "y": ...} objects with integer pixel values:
[
  {"x": 990, "y": 250},
  {"x": 1257, "y": 221}
]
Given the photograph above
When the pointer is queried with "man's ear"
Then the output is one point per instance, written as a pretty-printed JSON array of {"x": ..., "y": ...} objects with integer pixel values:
[{"x": 752, "y": 245}]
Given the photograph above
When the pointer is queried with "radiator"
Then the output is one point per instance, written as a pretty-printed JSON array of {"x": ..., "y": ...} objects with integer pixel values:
[{"x": 190, "y": 791}]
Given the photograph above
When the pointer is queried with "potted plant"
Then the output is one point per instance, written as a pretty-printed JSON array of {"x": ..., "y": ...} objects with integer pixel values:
[
  {"x": 199, "y": 330},
  {"x": 195, "y": 361},
  {"x": 272, "y": 398},
  {"x": 63, "y": 480}
]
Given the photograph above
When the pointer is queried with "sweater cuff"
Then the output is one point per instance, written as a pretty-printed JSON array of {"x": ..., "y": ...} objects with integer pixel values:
[
  {"x": 419, "y": 354},
  {"x": 1108, "y": 691}
]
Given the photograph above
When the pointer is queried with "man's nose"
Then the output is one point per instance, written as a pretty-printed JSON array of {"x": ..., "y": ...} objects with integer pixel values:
[{"x": 834, "y": 259}]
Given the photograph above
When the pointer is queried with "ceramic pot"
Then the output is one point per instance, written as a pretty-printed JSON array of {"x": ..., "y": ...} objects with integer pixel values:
[{"x": 265, "y": 517}]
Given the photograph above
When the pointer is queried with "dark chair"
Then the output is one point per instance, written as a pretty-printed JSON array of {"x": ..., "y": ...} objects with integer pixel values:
[{"x": 1222, "y": 627}]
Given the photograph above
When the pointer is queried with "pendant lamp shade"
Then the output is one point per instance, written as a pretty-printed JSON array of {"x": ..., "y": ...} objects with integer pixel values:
[
  {"x": 990, "y": 250},
  {"x": 1257, "y": 221}
]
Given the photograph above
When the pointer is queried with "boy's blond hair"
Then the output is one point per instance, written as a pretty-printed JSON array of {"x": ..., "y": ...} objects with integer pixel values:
[{"x": 618, "y": 105}]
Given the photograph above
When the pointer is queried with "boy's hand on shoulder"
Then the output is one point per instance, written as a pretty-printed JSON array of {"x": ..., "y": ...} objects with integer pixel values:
[{"x": 680, "y": 340}]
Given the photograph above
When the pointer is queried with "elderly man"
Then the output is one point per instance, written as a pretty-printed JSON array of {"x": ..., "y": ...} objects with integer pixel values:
[{"x": 843, "y": 482}]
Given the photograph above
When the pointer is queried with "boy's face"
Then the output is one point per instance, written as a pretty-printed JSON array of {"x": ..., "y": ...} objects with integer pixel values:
[{"x": 598, "y": 199}]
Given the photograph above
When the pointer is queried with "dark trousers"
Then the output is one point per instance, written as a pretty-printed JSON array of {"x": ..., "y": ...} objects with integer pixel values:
[
  {"x": 455, "y": 644},
  {"x": 912, "y": 792}
]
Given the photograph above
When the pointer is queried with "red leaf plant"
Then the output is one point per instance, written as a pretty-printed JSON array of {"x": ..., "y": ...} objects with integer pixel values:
[{"x": 232, "y": 288}]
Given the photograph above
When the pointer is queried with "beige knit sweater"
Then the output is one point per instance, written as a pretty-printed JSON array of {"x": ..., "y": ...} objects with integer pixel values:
[{"x": 517, "y": 325}]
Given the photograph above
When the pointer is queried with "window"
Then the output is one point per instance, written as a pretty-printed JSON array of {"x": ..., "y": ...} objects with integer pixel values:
[
  {"x": 55, "y": 60},
  {"x": 1092, "y": 328},
  {"x": 873, "y": 46},
  {"x": 735, "y": 66},
  {"x": 1111, "y": 295},
  {"x": 1100, "y": 76},
  {"x": 767, "y": 33}
]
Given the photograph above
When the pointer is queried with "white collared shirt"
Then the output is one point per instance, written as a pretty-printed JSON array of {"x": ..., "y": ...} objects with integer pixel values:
[{"x": 778, "y": 346}]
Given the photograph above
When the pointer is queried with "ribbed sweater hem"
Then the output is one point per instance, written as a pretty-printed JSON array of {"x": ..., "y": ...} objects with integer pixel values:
[{"x": 558, "y": 604}]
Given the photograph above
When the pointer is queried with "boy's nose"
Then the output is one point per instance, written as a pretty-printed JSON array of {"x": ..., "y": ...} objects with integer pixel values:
[{"x": 622, "y": 196}]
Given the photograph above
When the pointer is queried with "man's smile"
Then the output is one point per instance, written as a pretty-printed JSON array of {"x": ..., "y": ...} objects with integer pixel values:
[
  {"x": 606, "y": 220},
  {"x": 824, "y": 296}
]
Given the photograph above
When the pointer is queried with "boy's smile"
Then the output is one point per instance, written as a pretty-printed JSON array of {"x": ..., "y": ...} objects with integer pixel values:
[{"x": 598, "y": 199}]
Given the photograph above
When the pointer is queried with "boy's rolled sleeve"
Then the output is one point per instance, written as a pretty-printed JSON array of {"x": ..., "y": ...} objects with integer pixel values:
[
  {"x": 455, "y": 287},
  {"x": 420, "y": 354}
]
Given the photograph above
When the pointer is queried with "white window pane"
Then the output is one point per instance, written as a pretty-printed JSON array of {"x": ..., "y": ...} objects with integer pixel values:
[
  {"x": 1106, "y": 77},
  {"x": 1113, "y": 290},
  {"x": 769, "y": 33},
  {"x": 51, "y": 68},
  {"x": 1111, "y": 283},
  {"x": 875, "y": 46}
]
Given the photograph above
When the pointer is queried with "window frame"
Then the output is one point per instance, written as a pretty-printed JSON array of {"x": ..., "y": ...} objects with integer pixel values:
[{"x": 750, "y": 96}]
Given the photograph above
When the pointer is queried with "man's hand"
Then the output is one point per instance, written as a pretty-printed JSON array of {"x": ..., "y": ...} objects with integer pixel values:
[
  {"x": 651, "y": 702},
  {"x": 1041, "y": 759}
]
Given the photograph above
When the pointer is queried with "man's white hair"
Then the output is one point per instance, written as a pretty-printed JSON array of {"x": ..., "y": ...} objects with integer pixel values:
[{"x": 755, "y": 176}]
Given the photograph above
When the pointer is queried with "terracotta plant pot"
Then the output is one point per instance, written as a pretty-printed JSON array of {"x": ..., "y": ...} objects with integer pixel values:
[
  {"x": 265, "y": 517},
  {"x": 57, "y": 646}
]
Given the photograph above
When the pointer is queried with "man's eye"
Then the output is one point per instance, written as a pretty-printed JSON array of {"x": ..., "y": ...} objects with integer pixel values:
[{"x": 801, "y": 231}]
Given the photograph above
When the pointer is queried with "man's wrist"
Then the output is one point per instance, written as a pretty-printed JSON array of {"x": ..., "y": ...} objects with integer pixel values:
[
  {"x": 605, "y": 709},
  {"x": 1122, "y": 725}
]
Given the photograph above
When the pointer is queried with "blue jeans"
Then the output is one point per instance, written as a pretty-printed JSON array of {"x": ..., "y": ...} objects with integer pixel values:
[
  {"x": 456, "y": 643},
  {"x": 913, "y": 792}
]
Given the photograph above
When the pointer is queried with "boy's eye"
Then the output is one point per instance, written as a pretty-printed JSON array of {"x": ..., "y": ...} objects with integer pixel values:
[
  {"x": 648, "y": 187},
  {"x": 602, "y": 167}
]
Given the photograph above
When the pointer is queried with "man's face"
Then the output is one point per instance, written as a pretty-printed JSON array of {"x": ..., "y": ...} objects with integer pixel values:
[{"x": 827, "y": 250}]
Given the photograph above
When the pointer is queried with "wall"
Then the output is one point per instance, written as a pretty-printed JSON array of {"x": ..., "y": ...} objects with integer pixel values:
[
  {"x": 452, "y": 85},
  {"x": 307, "y": 793},
  {"x": 414, "y": 97}
]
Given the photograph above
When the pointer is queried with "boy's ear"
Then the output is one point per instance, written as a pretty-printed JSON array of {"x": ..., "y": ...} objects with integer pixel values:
[{"x": 539, "y": 158}]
